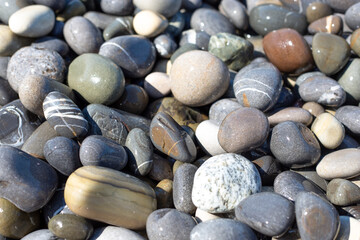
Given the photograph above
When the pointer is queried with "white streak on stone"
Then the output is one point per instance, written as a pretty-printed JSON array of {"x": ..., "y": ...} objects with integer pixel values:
[
  {"x": 254, "y": 90},
  {"x": 123, "y": 50}
]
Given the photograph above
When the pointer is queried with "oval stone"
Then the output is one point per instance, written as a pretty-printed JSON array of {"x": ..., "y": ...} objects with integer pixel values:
[
  {"x": 331, "y": 24},
  {"x": 294, "y": 114},
  {"x": 109, "y": 196},
  {"x": 236, "y": 12},
  {"x": 342, "y": 192},
  {"x": 349, "y": 116},
  {"x": 10, "y": 42},
  {"x": 117, "y": 7},
  {"x": 7, "y": 8},
  {"x": 168, "y": 8},
  {"x": 133, "y": 100},
  {"x": 70, "y": 226},
  {"x": 317, "y": 10},
  {"x": 352, "y": 16},
  {"x": 149, "y": 23}
]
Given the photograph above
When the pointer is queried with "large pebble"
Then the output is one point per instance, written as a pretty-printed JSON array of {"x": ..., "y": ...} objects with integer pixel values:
[
  {"x": 350, "y": 82},
  {"x": 349, "y": 116},
  {"x": 342, "y": 192},
  {"x": 223, "y": 181},
  {"x": 330, "y": 24},
  {"x": 115, "y": 233},
  {"x": 149, "y": 23},
  {"x": 10, "y": 42},
  {"x": 70, "y": 226},
  {"x": 168, "y": 8},
  {"x": 207, "y": 136},
  {"x": 109, "y": 196}
]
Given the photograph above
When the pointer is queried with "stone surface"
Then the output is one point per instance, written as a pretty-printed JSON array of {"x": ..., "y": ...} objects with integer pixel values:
[
  {"x": 342, "y": 192},
  {"x": 349, "y": 228},
  {"x": 165, "y": 45},
  {"x": 119, "y": 7},
  {"x": 236, "y": 12},
  {"x": 148, "y": 23},
  {"x": 237, "y": 135},
  {"x": 52, "y": 43},
  {"x": 207, "y": 137},
  {"x": 133, "y": 100},
  {"x": 72, "y": 9},
  {"x": 349, "y": 116},
  {"x": 221, "y": 108},
  {"x": 350, "y": 81},
  {"x": 164, "y": 194},
  {"x": 314, "y": 108},
  {"x": 352, "y": 16},
  {"x": 317, "y": 10},
  {"x": 199, "y": 38},
  {"x": 10, "y": 42},
  {"x": 315, "y": 217},
  {"x": 157, "y": 84},
  {"x": 198, "y": 78},
  {"x": 4, "y": 61},
  {"x": 120, "y": 26},
  {"x": 341, "y": 6},
  {"x": 99, "y": 19},
  {"x": 311, "y": 175},
  {"x": 70, "y": 226},
  {"x": 55, "y": 5},
  {"x": 223, "y": 181},
  {"x": 168, "y": 8},
  {"x": 268, "y": 168},
  {"x": 42, "y": 234},
  {"x": 109, "y": 196},
  {"x": 112, "y": 233},
  {"x": 176, "y": 24},
  {"x": 7, "y": 8},
  {"x": 330, "y": 24},
  {"x": 161, "y": 169},
  {"x": 268, "y": 213},
  {"x": 355, "y": 41},
  {"x": 294, "y": 114}
]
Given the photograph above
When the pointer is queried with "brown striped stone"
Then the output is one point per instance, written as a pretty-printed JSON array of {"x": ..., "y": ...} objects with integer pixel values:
[
  {"x": 109, "y": 196},
  {"x": 331, "y": 24}
]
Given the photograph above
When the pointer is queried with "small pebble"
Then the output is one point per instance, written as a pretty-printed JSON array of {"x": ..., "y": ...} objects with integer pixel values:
[
  {"x": 70, "y": 226},
  {"x": 72, "y": 9},
  {"x": 199, "y": 38},
  {"x": 133, "y": 100},
  {"x": 268, "y": 168},
  {"x": 99, "y": 19},
  {"x": 149, "y": 24},
  {"x": 355, "y": 41},
  {"x": 161, "y": 169},
  {"x": 120, "y": 26},
  {"x": 221, "y": 108},
  {"x": 342, "y": 192},
  {"x": 314, "y": 108},
  {"x": 165, "y": 45}
]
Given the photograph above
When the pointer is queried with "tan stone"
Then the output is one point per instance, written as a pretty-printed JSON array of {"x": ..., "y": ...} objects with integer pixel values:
[
  {"x": 157, "y": 84},
  {"x": 149, "y": 23}
]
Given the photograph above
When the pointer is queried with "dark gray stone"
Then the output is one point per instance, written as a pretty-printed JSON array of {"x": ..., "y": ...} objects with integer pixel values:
[
  {"x": 99, "y": 19},
  {"x": 120, "y": 26},
  {"x": 56, "y": 5},
  {"x": 235, "y": 11},
  {"x": 52, "y": 43},
  {"x": 350, "y": 117},
  {"x": 314, "y": 177},
  {"x": 199, "y": 38},
  {"x": 117, "y": 7},
  {"x": 165, "y": 45},
  {"x": 7, "y": 94},
  {"x": 55, "y": 206},
  {"x": 4, "y": 61},
  {"x": 221, "y": 108},
  {"x": 58, "y": 30}
]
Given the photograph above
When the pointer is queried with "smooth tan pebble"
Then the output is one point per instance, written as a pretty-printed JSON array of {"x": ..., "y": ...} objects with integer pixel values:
[{"x": 149, "y": 23}]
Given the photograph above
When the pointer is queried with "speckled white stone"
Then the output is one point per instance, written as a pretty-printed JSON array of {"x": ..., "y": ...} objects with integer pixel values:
[
  {"x": 223, "y": 181},
  {"x": 207, "y": 136}
]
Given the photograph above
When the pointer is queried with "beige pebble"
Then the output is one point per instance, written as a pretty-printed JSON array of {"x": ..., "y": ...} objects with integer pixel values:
[
  {"x": 314, "y": 108},
  {"x": 149, "y": 23},
  {"x": 294, "y": 114},
  {"x": 157, "y": 84},
  {"x": 328, "y": 130}
]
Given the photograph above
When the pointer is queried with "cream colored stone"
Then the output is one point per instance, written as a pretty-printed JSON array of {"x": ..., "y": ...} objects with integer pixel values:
[
  {"x": 204, "y": 216},
  {"x": 207, "y": 136},
  {"x": 328, "y": 130},
  {"x": 356, "y": 180},
  {"x": 149, "y": 23},
  {"x": 349, "y": 229},
  {"x": 157, "y": 84},
  {"x": 10, "y": 42}
]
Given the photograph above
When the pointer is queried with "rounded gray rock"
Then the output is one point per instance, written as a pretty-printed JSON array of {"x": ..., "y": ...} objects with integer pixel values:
[
  {"x": 115, "y": 233},
  {"x": 350, "y": 117},
  {"x": 221, "y": 108},
  {"x": 117, "y": 7},
  {"x": 352, "y": 16}
]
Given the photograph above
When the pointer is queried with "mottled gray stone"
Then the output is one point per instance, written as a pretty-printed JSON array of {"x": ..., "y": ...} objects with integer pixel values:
[
  {"x": 115, "y": 233},
  {"x": 350, "y": 117}
]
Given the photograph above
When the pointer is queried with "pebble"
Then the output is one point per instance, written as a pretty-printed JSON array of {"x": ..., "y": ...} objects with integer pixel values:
[
  {"x": 157, "y": 84},
  {"x": 15, "y": 223},
  {"x": 342, "y": 192},
  {"x": 350, "y": 81},
  {"x": 290, "y": 44},
  {"x": 99, "y": 19},
  {"x": 120, "y": 26},
  {"x": 133, "y": 100},
  {"x": 118, "y": 7},
  {"x": 161, "y": 169},
  {"x": 349, "y": 228},
  {"x": 349, "y": 116},
  {"x": 181, "y": 50},
  {"x": 161, "y": 223},
  {"x": 237, "y": 136},
  {"x": 109, "y": 196},
  {"x": 294, "y": 145},
  {"x": 336, "y": 164},
  {"x": 100, "y": 151},
  {"x": 207, "y": 137},
  {"x": 149, "y": 24},
  {"x": 289, "y": 184},
  {"x": 236, "y": 52},
  {"x": 55, "y": 5},
  {"x": 164, "y": 194},
  {"x": 7, "y": 8},
  {"x": 352, "y": 16},
  {"x": 30, "y": 182},
  {"x": 341, "y": 6},
  {"x": 64, "y": 115},
  {"x": 52, "y": 43},
  {"x": 35, "y": 61},
  {"x": 72, "y": 9},
  {"x": 330, "y": 52},
  {"x": 258, "y": 85},
  {"x": 176, "y": 24},
  {"x": 223, "y": 181},
  {"x": 4, "y": 61},
  {"x": 314, "y": 177},
  {"x": 168, "y": 8},
  {"x": 199, "y": 38},
  {"x": 115, "y": 233},
  {"x": 317, "y": 10},
  {"x": 315, "y": 217},
  {"x": 268, "y": 17},
  {"x": 268, "y": 168},
  {"x": 294, "y": 114},
  {"x": 165, "y": 45},
  {"x": 96, "y": 78},
  {"x": 42, "y": 234},
  {"x": 211, "y": 22},
  {"x": 171, "y": 139},
  {"x": 331, "y": 24},
  {"x": 70, "y": 226},
  {"x": 314, "y": 108},
  {"x": 355, "y": 41},
  {"x": 82, "y": 35},
  {"x": 140, "y": 151},
  {"x": 268, "y": 213},
  {"x": 134, "y": 54},
  {"x": 328, "y": 130},
  {"x": 225, "y": 229},
  {"x": 32, "y": 21},
  {"x": 236, "y": 12},
  {"x": 221, "y": 108}
]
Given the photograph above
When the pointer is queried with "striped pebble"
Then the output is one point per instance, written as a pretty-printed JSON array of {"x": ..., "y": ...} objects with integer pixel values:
[{"x": 64, "y": 116}]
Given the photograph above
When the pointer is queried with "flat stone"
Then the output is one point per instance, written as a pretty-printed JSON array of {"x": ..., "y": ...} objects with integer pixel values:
[
  {"x": 157, "y": 84},
  {"x": 52, "y": 43},
  {"x": 119, "y": 7},
  {"x": 164, "y": 194},
  {"x": 315, "y": 217},
  {"x": 223, "y": 181},
  {"x": 115, "y": 233},
  {"x": 70, "y": 226},
  {"x": 120, "y": 26},
  {"x": 268, "y": 168},
  {"x": 350, "y": 81},
  {"x": 317, "y": 10},
  {"x": 236, "y": 12},
  {"x": 349, "y": 228},
  {"x": 207, "y": 136},
  {"x": 355, "y": 41},
  {"x": 330, "y": 24},
  {"x": 221, "y": 108},
  {"x": 168, "y": 8},
  {"x": 342, "y": 192},
  {"x": 294, "y": 114},
  {"x": 352, "y": 16},
  {"x": 148, "y": 23},
  {"x": 348, "y": 115},
  {"x": 7, "y": 8}
]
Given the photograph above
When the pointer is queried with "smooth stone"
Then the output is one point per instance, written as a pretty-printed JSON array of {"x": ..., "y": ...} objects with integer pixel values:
[
  {"x": 294, "y": 145},
  {"x": 236, "y": 52},
  {"x": 118, "y": 7},
  {"x": 64, "y": 115},
  {"x": 349, "y": 228},
  {"x": 330, "y": 24},
  {"x": 355, "y": 41},
  {"x": 34, "y": 89},
  {"x": 221, "y": 108},
  {"x": 62, "y": 154},
  {"x": 286, "y": 98},
  {"x": 70, "y": 226},
  {"x": 55, "y": 5},
  {"x": 109, "y": 196},
  {"x": 317, "y": 10},
  {"x": 323, "y": 90},
  {"x": 352, "y": 16},
  {"x": 288, "y": 43},
  {"x": 350, "y": 81},
  {"x": 140, "y": 151},
  {"x": 207, "y": 137},
  {"x": 294, "y": 114},
  {"x": 7, "y": 8},
  {"x": 349, "y": 116},
  {"x": 211, "y": 22},
  {"x": 203, "y": 216},
  {"x": 314, "y": 108},
  {"x": 342, "y": 6},
  {"x": 82, "y": 35},
  {"x": 223, "y": 181},
  {"x": 96, "y": 78},
  {"x": 296, "y": 5},
  {"x": 72, "y": 9},
  {"x": 191, "y": 5},
  {"x": 289, "y": 184},
  {"x": 10, "y": 42},
  {"x": 268, "y": 168},
  {"x": 315, "y": 217},
  {"x": 352, "y": 211},
  {"x": 4, "y": 61},
  {"x": 235, "y": 134},
  {"x": 157, "y": 84},
  {"x": 164, "y": 194},
  {"x": 314, "y": 177},
  {"x": 32, "y": 21},
  {"x": 57, "y": 31},
  {"x": 52, "y": 43},
  {"x": 268, "y": 213},
  {"x": 336, "y": 164},
  {"x": 266, "y": 18},
  {"x": 97, "y": 150},
  {"x": 225, "y": 229},
  {"x": 198, "y": 78},
  {"x": 120, "y": 26},
  {"x": 42, "y": 234},
  {"x": 183, "y": 49},
  {"x": 133, "y": 100},
  {"x": 342, "y": 192},
  {"x": 115, "y": 233},
  {"x": 328, "y": 130},
  {"x": 307, "y": 76},
  {"x": 236, "y": 12},
  {"x": 17, "y": 124},
  {"x": 134, "y": 54},
  {"x": 35, "y": 61},
  {"x": 199, "y": 38},
  {"x": 165, "y": 45},
  {"x": 182, "y": 188},
  {"x": 29, "y": 182},
  {"x": 176, "y": 24},
  {"x": 161, "y": 169},
  {"x": 35, "y": 143},
  {"x": 99, "y": 19},
  {"x": 149, "y": 24},
  {"x": 169, "y": 138},
  {"x": 330, "y": 52},
  {"x": 160, "y": 225},
  {"x": 167, "y": 8},
  {"x": 258, "y": 85}
]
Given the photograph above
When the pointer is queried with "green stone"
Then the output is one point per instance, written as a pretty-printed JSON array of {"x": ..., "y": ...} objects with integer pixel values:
[
  {"x": 70, "y": 226},
  {"x": 350, "y": 82},
  {"x": 236, "y": 52},
  {"x": 96, "y": 78}
]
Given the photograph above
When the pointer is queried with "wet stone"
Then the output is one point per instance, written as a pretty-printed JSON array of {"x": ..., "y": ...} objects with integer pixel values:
[
  {"x": 294, "y": 114},
  {"x": 120, "y": 26},
  {"x": 317, "y": 10},
  {"x": 70, "y": 226},
  {"x": 236, "y": 12},
  {"x": 331, "y": 24},
  {"x": 349, "y": 115},
  {"x": 164, "y": 194},
  {"x": 342, "y": 192}
]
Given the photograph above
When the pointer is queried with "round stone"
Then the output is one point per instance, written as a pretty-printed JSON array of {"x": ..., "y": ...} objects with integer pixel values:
[
  {"x": 223, "y": 181},
  {"x": 352, "y": 16},
  {"x": 157, "y": 84},
  {"x": 314, "y": 108},
  {"x": 342, "y": 192},
  {"x": 317, "y": 10},
  {"x": 117, "y": 7},
  {"x": 148, "y": 23},
  {"x": 242, "y": 130},
  {"x": 294, "y": 114},
  {"x": 198, "y": 78},
  {"x": 167, "y": 8},
  {"x": 70, "y": 226},
  {"x": 350, "y": 82},
  {"x": 32, "y": 21},
  {"x": 96, "y": 78},
  {"x": 349, "y": 116},
  {"x": 331, "y": 24}
]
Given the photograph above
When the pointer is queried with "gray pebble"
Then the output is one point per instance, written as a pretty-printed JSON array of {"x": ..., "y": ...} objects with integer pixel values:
[
  {"x": 268, "y": 168},
  {"x": 191, "y": 5},
  {"x": 99, "y": 19},
  {"x": 221, "y": 108},
  {"x": 52, "y": 43},
  {"x": 7, "y": 8},
  {"x": 117, "y": 7},
  {"x": 235, "y": 11},
  {"x": 350, "y": 117},
  {"x": 352, "y": 16},
  {"x": 199, "y": 38},
  {"x": 165, "y": 45},
  {"x": 120, "y": 26},
  {"x": 56, "y": 5}
]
